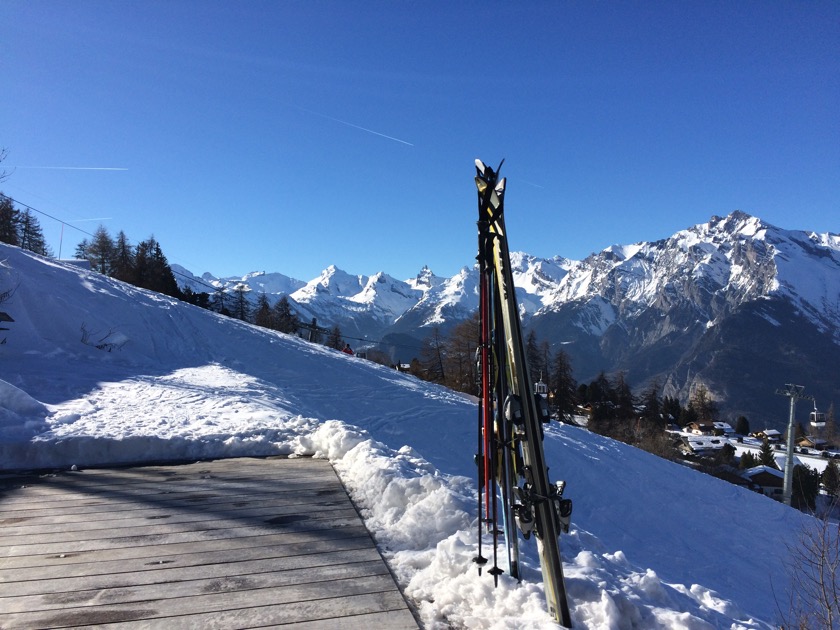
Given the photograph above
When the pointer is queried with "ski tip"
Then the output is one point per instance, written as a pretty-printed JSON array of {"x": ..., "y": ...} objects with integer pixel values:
[{"x": 479, "y": 166}]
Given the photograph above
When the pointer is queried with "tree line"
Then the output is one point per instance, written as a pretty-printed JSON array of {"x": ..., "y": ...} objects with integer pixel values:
[{"x": 21, "y": 228}]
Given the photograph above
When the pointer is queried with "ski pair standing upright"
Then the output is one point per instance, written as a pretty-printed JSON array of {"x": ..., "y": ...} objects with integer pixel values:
[{"x": 511, "y": 461}]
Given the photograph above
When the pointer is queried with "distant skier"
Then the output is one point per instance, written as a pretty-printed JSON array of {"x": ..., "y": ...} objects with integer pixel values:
[{"x": 347, "y": 349}]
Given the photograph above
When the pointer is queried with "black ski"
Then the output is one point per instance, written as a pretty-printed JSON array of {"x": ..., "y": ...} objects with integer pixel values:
[{"x": 511, "y": 459}]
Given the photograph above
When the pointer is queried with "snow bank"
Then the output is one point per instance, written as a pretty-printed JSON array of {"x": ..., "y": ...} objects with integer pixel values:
[{"x": 652, "y": 544}]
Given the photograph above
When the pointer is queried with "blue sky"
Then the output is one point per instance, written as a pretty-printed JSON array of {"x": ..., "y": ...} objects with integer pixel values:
[{"x": 287, "y": 136}]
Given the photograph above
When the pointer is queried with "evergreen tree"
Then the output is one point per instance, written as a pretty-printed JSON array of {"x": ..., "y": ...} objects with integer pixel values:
[
  {"x": 9, "y": 221},
  {"x": 263, "y": 315},
  {"x": 599, "y": 391},
  {"x": 241, "y": 307},
  {"x": 671, "y": 409},
  {"x": 831, "y": 478},
  {"x": 533, "y": 356},
  {"x": 562, "y": 384},
  {"x": 284, "y": 319},
  {"x": 80, "y": 253},
  {"x": 742, "y": 426},
  {"x": 152, "y": 270},
  {"x": 164, "y": 279},
  {"x": 688, "y": 415},
  {"x": 725, "y": 456},
  {"x": 100, "y": 251},
  {"x": 766, "y": 456},
  {"x": 805, "y": 487},
  {"x": 706, "y": 408},
  {"x": 31, "y": 235},
  {"x": 220, "y": 302},
  {"x": 202, "y": 299},
  {"x": 651, "y": 405},
  {"x": 334, "y": 339},
  {"x": 623, "y": 398},
  {"x": 123, "y": 260},
  {"x": 747, "y": 461}
]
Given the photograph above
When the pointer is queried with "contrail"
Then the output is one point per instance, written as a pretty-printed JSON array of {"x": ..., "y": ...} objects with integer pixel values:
[
  {"x": 76, "y": 168},
  {"x": 349, "y": 124}
]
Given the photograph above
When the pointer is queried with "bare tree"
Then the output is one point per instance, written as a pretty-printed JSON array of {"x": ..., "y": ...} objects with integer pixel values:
[
  {"x": 815, "y": 581},
  {"x": 4, "y": 175}
]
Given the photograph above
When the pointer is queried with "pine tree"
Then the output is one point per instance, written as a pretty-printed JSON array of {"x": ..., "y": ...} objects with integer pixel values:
[
  {"x": 688, "y": 415},
  {"x": 623, "y": 398},
  {"x": 651, "y": 405},
  {"x": 534, "y": 358},
  {"x": 334, "y": 339},
  {"x": 9, "y": 221},
  {"x": 164, "y": 279},
  {"x": 704, "y": 405},
  {"x": 241, "y": 307},
  {"x": 31, "y": 235},
  {"x": 831, "y": 478},
  {"x": 748, "y": 460},
  {"x": 742, "y": 426},
  {"x": 284, "y": 319},
  {"x": 561, "y": 383},
  {"x": 123, "y": 261},
  {"x": 766, "y": 456},
  {"x": 100, "y": 251},
  {"x": 152, "y": 270},
  {"x": 805, "y": 487},
  {"x": 671, "y": 409},
  {"x": 220, "y": 302},
  {"x": 263, "y": 315},
  {"x": 80, "y": 253}
]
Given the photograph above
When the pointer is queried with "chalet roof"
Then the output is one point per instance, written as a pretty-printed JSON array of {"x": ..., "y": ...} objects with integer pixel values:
[
  {"x": 704, "y": 442},
  {"x": 756, "y": 470}
]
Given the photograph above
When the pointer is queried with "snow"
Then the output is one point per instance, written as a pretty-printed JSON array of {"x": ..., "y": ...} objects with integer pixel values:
[{"x": 652, "y": 544}]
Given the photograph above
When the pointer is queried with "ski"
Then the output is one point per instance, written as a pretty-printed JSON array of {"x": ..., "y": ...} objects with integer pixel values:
[{"x": 511, "y": 458}]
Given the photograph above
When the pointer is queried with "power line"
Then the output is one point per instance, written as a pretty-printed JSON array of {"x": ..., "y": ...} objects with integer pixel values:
[
  {"x": 27, "y": 206},
  {"x": 196, "y": 280}
]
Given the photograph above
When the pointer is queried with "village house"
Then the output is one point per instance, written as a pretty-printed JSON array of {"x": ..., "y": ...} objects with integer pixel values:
[
  {"x": 723, "y": 428},
  {"x": 772, "y": 436},
  {"x": 769, "y": 480},
  {"x": 700, "y": 428},
  {"x": 701, "y": 444},
  {"x": 810, "y": 441}
]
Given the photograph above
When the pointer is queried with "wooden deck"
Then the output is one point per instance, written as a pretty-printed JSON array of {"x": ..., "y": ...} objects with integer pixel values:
[{"x": 238, "y": 543}]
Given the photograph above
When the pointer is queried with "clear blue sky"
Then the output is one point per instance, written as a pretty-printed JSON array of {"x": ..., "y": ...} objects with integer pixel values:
[{"x": 287, "y": 136}]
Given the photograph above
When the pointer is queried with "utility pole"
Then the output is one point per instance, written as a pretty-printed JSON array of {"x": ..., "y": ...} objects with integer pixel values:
[{"x": 794, "y": 392}]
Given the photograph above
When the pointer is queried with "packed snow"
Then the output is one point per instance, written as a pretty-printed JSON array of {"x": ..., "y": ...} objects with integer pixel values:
[{"x": 96, "y": 373}]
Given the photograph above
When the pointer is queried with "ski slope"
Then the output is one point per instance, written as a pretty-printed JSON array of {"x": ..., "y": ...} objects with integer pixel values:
[{"x": 652, "y": 544}]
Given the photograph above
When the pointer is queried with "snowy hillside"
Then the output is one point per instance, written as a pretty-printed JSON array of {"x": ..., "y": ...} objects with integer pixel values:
[{"x": 96, "y": 372}]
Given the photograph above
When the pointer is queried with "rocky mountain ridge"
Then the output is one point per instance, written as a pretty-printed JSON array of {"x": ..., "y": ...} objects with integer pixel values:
[{"x": 736, "y": 304}]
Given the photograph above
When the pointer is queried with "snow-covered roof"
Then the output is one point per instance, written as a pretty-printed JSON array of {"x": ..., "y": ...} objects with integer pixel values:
[{"x": 751, "y": 472}]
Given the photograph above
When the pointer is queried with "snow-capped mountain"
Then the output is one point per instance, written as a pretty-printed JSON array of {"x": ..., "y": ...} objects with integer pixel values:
[
  {"x": 257, "y": 281},
  {"x": 737, "y": 304}
]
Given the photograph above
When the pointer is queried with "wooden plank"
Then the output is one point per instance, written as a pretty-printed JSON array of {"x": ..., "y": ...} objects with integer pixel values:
[
  {"x": 160, "y": 553},
  {"x": 223, "y": 544},
  {"x": 112, "y": 562},
  {"x": 290, "y": 603}
]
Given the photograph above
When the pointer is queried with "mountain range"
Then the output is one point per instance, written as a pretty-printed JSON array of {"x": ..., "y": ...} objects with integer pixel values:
[{"x": 735, "y": 304}]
